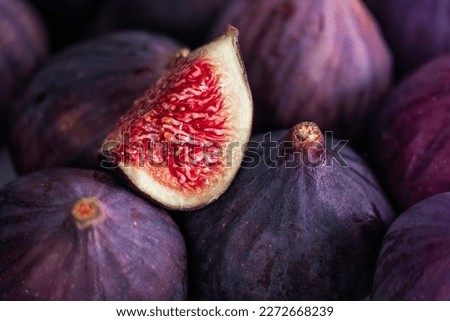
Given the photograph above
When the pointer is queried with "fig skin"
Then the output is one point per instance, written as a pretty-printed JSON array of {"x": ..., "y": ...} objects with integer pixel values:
[
  {"x": 186, "y": 20},
  {"x": 23, "y": 47},
  {"x": 77, "y": 98},
  {"x": 289, "y": 233},
  {"x": 414, "y": 263},
  {"x": 132, "y": 251},
  {"x": 417, "y": 31},
  {"x": 321, "y": 60},
  {"x": 410, "y": 144}
]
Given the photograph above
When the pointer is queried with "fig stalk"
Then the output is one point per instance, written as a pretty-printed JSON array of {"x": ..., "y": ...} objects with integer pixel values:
[
  {"x": 86, "y": 211},
  {"x": 307, "y": 140}
]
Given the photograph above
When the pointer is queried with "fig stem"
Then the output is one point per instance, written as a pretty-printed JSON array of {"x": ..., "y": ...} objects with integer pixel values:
[
  {"x": 86, "y": 211},
  {"x": 305, "y": 138}
]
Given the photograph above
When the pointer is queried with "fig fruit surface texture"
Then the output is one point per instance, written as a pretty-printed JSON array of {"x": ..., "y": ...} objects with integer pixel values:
[
  {"x": 72, "y": 234},
  {"x": 297, "y": 223},
  {"x": 414, "y": 263},
  {"x": 411, "y": 140},
  {"x": 417, "y": 31},
  {"x": 23, "y": 47},
  {"x": 77, "y": 98},
  {"x": 318, "y": 60},
  {"x": 182, "y": 142}
]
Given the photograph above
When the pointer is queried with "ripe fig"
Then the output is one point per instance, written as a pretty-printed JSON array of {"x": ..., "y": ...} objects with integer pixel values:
[
  {"x": 186, "y": 20},
  {"x": 415, "y": 260},
  {"x": 312, "y": 59},
  {"x": 23, "y": 47},
  {"x": 417, "y": 31},
  {"x": 303, "y": 223},
  {"x": 72, "y": 234},
  {"x": 411, "y": 137},
  {"x": 77, "y": 97},
  {"x": 181, "y": 143}
]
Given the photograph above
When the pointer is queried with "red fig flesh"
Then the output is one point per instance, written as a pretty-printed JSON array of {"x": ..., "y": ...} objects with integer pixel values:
[{"x": 173, "y": 145}]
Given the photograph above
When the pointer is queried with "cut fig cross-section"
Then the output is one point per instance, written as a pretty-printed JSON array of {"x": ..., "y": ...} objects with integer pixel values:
[{"x": 182, "y": 142}]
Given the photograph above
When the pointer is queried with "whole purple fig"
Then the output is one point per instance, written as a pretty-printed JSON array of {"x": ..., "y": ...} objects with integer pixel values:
[
  {"x": 304, "y": 220},
  {"x": 410, "y": 143},
  {"x": 71, "y": 234},
  {"x": 321, "y": 60},
  {"x": 417, "y": 31},
  {"x": 414, "y": 263}
]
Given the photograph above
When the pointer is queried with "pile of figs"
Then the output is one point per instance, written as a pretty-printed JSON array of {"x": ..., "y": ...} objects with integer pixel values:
[{"x": 225, "y": 150}]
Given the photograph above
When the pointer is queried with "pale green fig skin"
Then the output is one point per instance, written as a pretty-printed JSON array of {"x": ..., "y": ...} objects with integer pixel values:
[
  {"x": 279, "y": 233},
  {"x": 324, "y": 61},
  {"x": 132, "y": 251}
]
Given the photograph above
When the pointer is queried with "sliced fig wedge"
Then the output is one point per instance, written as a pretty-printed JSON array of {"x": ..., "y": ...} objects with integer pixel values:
[{"x": 181, "y": 144}]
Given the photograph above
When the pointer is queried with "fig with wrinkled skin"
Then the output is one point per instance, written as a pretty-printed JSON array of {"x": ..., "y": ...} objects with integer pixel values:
[
  {"x": 72, "y": 234},
  {"x": 187, "y": 20},
  {"x": 23, "y": 47},
  {"x": 411, "y": 138},
  {"x": 307, "y": 225},
  {"x": 77, "y": 97},
  {"x": 417, "y": 31},
  {"x": 414, "y": 263},
  {"x": 181, "y": 143},
  {"x": 321, "y": 60}
]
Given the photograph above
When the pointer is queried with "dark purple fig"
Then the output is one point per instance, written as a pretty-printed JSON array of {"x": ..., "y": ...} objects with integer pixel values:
[
  {"x": 417, "y": 31},
  {"x": 312, "y": 59},
  {"x": 23, "y": 46},
  {"x": 79, "y": 96},
  {"x": 71, "y": 234},
  {"x": 187, "y": 20},
  {"x": 304, "y": 220},
  {"x": 415, "y": 258},
  {"x": 411, "y": 139}
]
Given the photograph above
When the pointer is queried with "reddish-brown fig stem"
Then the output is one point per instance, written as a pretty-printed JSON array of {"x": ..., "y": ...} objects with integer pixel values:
[
  {"x": 87, "y": 211},
  {"x": 306, "y": 138}
]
